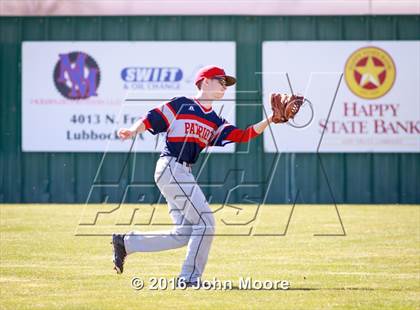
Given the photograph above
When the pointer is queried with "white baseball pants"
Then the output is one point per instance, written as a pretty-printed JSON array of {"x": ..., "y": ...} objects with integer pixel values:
[{"x": 190, "y": 213}]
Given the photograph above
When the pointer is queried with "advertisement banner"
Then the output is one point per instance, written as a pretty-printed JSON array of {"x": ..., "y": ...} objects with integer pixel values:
[
  {"x": 76, "y": 95},
  {"x": 361, "y": 96}
]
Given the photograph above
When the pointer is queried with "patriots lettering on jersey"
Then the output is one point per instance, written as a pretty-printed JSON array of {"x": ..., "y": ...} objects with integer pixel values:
[
  {"x": 190, "y": 127},
  {"x": 196, "y": 129}
]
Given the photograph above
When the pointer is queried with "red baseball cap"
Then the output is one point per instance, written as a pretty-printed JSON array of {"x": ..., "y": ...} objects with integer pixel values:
[{"x": 211, "y": 72}]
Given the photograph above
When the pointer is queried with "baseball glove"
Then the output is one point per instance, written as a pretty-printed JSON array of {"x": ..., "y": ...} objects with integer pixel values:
[{"x": 285, "y": 107}]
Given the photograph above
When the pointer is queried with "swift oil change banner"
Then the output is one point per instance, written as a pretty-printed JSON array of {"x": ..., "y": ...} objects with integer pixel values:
[
  {"x": 75, "y": 95},
  {"x": 362, "y": 96}
]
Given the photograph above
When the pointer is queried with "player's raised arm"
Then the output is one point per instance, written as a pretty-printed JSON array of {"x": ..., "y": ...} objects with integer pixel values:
[
  {"x": 284, "y": 107},
  {"x": 261, "y": 126}
]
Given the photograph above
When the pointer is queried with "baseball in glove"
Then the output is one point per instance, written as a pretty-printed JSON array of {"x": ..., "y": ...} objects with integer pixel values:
[{"x": 285, "y": 107}]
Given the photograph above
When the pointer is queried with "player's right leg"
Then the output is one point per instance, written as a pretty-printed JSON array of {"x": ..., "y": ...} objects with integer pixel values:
[
  {"x": 154, "y": 241},
  {"x": 136, "y": 241}
]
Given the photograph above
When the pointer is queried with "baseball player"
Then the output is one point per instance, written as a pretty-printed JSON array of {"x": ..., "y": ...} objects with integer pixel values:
[{"x": 190, "y": 125}]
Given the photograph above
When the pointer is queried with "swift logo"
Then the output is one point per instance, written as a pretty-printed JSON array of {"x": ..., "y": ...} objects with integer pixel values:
[
  {"x": 151, "y": 74},
  {"x": 76, "y": 75}
]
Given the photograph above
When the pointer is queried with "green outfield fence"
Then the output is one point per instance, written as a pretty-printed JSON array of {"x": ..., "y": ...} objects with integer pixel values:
[{"x": 68, "y": 177}]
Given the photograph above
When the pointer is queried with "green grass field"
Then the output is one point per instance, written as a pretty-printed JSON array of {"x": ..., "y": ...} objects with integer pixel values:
[{"x": 47, "y": 263}]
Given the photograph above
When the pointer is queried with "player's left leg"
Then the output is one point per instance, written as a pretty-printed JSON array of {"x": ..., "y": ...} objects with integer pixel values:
[
  {"x": 199, "y": 244},
  {"x": 179, "y": 186}
]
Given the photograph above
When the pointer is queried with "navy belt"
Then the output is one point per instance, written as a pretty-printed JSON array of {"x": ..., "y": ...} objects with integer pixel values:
[{"x": 182, "y": 162}]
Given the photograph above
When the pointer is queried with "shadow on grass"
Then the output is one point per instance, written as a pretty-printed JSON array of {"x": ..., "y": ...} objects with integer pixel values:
[{"x": 236, "y": 288}]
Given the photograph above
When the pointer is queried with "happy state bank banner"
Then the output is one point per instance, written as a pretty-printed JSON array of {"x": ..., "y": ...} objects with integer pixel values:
[{"x": 362, "y": 96}]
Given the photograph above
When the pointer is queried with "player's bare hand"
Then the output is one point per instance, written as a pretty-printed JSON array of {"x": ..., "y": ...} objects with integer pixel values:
[{"x": 125, "y": 133}]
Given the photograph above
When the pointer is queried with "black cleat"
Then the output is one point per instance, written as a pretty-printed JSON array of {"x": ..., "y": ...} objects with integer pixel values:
[
  {"x": 192, "y": 284},
  {"x": 119, "y": 252},
  {"x": 182, "y": 284}
]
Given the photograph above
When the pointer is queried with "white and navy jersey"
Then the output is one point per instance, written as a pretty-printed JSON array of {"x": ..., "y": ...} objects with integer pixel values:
[{"x": 190, "y": 128}]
